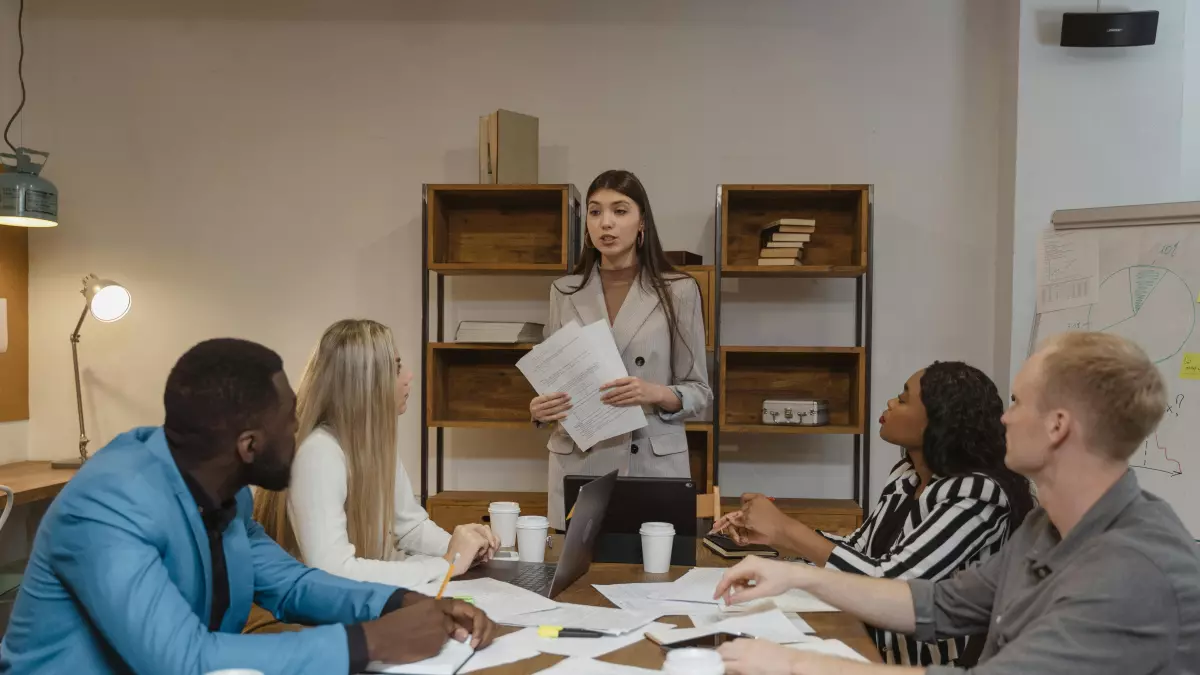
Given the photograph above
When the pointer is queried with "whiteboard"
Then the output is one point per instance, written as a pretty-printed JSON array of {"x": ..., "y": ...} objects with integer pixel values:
[{"x": 1149, "y": 280}]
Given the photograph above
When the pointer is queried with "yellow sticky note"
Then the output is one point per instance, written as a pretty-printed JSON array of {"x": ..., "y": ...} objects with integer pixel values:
[{"x": 1190, "y": 370}]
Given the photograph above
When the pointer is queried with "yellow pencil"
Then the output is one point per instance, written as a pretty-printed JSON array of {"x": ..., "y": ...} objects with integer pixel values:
[{"x": 447, "y": 579}]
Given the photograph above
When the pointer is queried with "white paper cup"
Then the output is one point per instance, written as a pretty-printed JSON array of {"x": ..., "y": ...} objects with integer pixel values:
[
  {"x": 504, "y": 521},
  {"x": 657, "y": 539},
  {"x": 693, "y": 661},
  {"x": 531, "y": 538}
]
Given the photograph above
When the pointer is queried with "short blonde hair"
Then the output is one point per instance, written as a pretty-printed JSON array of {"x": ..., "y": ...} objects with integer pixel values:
[{"x": 1108, "y": 380}]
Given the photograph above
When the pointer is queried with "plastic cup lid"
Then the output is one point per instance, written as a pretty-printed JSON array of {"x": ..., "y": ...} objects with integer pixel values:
[
  {"x": 657, "y": 528},
  {"x": 533, "y": 523},
  {"x": 504, "y": 507}
]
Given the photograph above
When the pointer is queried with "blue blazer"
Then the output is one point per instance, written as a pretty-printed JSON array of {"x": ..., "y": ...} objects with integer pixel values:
[{"x": 120, "y": 581}]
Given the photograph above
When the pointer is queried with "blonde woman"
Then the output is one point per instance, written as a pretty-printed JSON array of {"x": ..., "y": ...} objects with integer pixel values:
[{"x": 349, "y": 509}]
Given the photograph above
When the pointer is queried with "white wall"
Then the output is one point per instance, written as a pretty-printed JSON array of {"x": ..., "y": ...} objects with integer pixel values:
[
  {"x": 253, "y": 169},
  {"x": 1096, "y": 127}
]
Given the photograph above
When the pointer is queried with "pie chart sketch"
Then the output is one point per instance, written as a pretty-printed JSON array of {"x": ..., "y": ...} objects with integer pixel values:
[{"x": 1148, "y": 304}]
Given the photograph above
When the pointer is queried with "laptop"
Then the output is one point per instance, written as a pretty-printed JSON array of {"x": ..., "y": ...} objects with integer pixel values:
[
  {"x": 551, "y": 579},
  {"x": 635, "y": 500}
]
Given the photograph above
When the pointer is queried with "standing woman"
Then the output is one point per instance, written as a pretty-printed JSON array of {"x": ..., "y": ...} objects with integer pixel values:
[{"x": 656, "y": 317}]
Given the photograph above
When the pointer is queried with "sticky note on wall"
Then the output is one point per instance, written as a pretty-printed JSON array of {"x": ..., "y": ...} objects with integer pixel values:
[{"x": 1190, "y": 370}]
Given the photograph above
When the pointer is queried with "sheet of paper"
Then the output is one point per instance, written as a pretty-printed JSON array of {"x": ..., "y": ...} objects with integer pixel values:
[
  {"x": 702, "y": 620},
  {"x": 447, "y": 662},
  {"x": 500, "y": 600},
  {"x": 698, "y": 584},
  {"x": 1068, "y": 271},
  {"x": 581, "y": 666},
  {"x": 585, "y": 647},
  {"x": 578, "y": 361},
  {"x": 830, "y": 648},
  {"x": 604, "y": 619},
  {"x": 636, "y": 598},
  {"x": 503, "y": 650},
  {"x": 770, "y": 625}
]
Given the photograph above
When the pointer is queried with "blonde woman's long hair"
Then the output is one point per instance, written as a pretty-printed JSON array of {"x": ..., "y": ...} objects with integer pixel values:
[{"x": 349, "y": 390}]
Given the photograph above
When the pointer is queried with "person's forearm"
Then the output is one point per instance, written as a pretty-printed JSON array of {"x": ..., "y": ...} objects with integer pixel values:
[
  {"x": 668, "y": 401},
  {"x": 798, "y": 537},
  {"x": 883, "y": 603}
]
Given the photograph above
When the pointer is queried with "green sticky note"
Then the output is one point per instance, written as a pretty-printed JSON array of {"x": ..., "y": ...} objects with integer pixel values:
[{"x": 1190, "y": 370}]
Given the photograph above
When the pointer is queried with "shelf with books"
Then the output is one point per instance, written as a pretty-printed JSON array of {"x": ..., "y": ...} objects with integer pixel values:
[
  {"x": 821, "y": 231},
  {"x": 825, "y": 226},
  {"x": 500, "y": 229}
]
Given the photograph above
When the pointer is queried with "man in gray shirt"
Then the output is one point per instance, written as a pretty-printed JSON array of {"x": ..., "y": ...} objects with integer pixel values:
[{"x": 1104, "y": 578}]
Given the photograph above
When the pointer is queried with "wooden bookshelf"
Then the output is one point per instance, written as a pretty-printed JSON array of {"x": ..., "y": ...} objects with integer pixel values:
[
  {"x": 838, "y": 249},
  {"x": 706, "y": 278},
  {"x": 835, "y": 516},
  {"x": 500, "y": 229},
  {"x": 751, "y": 375},
  {"x": 477, "y": 386}
]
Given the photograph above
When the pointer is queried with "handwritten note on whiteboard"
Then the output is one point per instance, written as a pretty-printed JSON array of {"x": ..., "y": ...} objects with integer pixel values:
[{"x": 1068, "y": 269}]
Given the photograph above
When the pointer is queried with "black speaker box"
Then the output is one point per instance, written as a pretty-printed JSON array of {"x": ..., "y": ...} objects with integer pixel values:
[{"x": 1109, "y": 29}]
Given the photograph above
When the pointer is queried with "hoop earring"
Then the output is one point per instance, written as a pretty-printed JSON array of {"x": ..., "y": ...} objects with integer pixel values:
[{"x": 641, "y": 238}]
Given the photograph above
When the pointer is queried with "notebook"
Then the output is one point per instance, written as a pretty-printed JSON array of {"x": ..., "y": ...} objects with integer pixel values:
[
  {"x": 728, "y": 548},
  {"x": 447, "y": 662}
]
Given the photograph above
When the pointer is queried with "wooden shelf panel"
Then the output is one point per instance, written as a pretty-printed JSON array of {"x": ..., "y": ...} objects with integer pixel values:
[
  {"x": 797, "y": 272},
  {"x": 835, "y": 516},
  {"x": 459, "y": 507},
  {"x": 500, "y": 229},
  {"x": 706, "y": 278},
  {"x": 788, "y": 429},
  {"x": 473, "y": 385},
  {"x": 752, "y": 375},
  {"x": 838, "y": 248}
]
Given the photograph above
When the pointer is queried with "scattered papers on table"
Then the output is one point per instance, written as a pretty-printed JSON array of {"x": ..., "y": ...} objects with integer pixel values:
[
  {"x": 446, "y": 662},
  {"x": 603, "y": 619},
  {"x": 581, "y": 666},
  {"x": 699, "y": 584},
  {"x": 635, "y": 598},
  {"x": 584, "y": 647},
  {"x": 770, "y": 625},
  {"x": 503, "y": 650},
  {"x": 700, "y": 620},
  {"x": 499, "y": 599},
  {"x": 830, "y": 648}
]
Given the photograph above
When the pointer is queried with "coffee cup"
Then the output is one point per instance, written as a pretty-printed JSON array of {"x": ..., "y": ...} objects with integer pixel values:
[
  {"x": 531, "y": 538},
  {"x": 694, "y": 661},
  {"x": 657, "y": 539},
  {"x": 504, "y": 521}
]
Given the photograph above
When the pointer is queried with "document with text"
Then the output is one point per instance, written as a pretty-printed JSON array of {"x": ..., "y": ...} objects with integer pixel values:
[{"x": 577, "y": 361}]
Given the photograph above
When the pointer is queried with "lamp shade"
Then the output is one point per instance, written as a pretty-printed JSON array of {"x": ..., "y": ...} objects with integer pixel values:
[
  {"x": 107, "y": 300},
  {"x": 27, "y": 199}
]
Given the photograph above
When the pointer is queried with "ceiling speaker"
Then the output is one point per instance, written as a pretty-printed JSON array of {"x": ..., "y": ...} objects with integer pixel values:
[{"x": 1109, "y": 29}]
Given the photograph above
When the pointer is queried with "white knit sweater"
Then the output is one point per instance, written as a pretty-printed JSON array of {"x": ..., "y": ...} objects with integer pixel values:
[{"x": 317, "y": 509}]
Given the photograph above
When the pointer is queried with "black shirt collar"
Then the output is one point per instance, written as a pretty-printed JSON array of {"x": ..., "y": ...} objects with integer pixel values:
[{"x": 215, "y": 517}]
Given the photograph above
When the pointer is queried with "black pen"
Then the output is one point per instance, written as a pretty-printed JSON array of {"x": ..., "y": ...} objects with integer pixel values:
[{"x": 560, "y": 632}]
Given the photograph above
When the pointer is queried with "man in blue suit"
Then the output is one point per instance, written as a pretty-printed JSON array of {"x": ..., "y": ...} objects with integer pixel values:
[{"x": 148, "y": 561}]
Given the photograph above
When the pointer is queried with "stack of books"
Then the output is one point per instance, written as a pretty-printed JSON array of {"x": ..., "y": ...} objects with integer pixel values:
[
  {"x": 783, "y": 241},
  {"x": 504, "y": 332}
]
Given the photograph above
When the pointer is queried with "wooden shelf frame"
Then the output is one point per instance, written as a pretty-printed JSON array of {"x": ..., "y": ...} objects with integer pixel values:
[
  {"x": 841, "y": 248},
  {"x": 471, "y": 229}
]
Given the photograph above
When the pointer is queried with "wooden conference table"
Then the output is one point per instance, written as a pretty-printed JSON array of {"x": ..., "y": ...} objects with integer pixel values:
[{"x": 646, "y": 654}]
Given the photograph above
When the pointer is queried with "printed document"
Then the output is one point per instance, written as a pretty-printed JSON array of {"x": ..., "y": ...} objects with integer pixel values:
[
  {"x": 1068, "y": 271},
  {"x": 578, "y": 361}
]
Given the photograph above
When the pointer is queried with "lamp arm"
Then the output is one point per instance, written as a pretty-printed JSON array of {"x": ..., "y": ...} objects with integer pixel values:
[{"x": 83, "y": 440}]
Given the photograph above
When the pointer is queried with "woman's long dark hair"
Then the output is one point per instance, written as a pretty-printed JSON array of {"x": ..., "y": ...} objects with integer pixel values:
[
  {"x": 654, "y": 270},
  {"x": 964, "y": 434}
]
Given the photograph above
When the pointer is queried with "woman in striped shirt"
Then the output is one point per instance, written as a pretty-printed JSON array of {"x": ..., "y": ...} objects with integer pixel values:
[{"x": 949, "y": 504}]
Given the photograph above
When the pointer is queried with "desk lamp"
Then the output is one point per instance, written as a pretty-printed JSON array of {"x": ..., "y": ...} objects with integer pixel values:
[{"x": 108, "y": 301}]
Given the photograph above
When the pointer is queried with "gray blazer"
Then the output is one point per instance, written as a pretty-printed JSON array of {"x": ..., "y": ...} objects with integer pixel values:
[{"x": 644, "y": 341}]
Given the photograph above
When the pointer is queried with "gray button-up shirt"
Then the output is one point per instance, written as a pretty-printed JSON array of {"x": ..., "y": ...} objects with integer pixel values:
[{"x": 1119, "y": 595}]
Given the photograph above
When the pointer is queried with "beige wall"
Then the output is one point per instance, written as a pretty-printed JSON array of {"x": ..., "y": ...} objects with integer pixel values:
[{"x": 256, "y": 172}]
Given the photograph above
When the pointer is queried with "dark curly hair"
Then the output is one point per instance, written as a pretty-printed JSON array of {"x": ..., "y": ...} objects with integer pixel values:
[{"x": 964, "y": 434}]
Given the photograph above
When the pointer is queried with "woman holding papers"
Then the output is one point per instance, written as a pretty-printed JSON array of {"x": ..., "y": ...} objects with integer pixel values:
[
  {"x": 950, "y": 503},
  {"x": 624, "y": 279},
  {"x": 349, "y": 509}
]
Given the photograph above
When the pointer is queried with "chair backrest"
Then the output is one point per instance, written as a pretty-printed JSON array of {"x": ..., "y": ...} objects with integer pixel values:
[{"x": 8, "y": 504}]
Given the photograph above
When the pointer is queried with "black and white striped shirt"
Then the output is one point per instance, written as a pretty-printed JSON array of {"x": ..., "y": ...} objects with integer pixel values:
[{"x": 954, "y": 524}]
